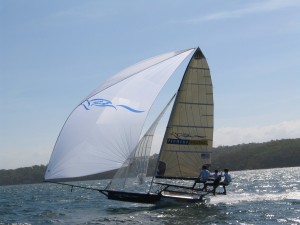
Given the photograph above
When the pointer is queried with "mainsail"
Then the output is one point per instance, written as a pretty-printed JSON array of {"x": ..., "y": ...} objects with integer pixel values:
[
  {"x": 104, "y": 129},
  {"x": 187, "y": 144}
]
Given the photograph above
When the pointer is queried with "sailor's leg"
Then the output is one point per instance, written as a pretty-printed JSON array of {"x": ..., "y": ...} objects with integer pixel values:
[
  {"x": 202, "y": 182},
  {"x": 214, "y": 189},
  {"x": 224, "y": 189},
  {"x": 205, "y": 186},
  {"x": 196, "y": 181}
]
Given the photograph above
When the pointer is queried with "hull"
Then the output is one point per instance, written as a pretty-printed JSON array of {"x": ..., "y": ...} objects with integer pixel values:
[
  {"x": 133, "y": 197},
  {"x": 153, "y": 198}
]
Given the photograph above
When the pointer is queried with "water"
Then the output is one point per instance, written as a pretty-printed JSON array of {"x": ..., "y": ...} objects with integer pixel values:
[{"x": 255, "y": 197}]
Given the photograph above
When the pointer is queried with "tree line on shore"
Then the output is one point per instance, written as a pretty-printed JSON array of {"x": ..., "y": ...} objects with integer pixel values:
[{"x": 273, "y": 154}]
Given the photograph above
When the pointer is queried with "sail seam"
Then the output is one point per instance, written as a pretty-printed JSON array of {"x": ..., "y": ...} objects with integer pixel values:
[
  {"x": 189, "y": 126},
  {"x": 190, "y": 151},
  {"x": 199, "y": 84},
  {"x": 193, "y": 103},
  {"x": 198, "y": 68}
]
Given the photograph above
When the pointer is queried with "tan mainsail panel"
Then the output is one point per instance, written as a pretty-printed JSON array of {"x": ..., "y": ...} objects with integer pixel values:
[{"x": 187, "y": 144}]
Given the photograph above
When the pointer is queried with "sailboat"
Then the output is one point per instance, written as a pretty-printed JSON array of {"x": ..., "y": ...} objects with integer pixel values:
[{"x": 105, "y": 132}]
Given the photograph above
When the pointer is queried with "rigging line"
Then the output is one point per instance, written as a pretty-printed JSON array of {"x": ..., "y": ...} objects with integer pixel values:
[
  {"x": 120, "y": 152},
  {"x": 140, "y": 152},
  {"x": 164, "y": 138},
  {"x": 147, "y": 152},
  {"x": 102, "y": 191},
  {"x": 138, "y": 156},
  {"x": 119, "y": 147},
  {"x": 126, "y": 173},
  {"x": 143, "y": 151},
  {"x": 129, "y": 149}
]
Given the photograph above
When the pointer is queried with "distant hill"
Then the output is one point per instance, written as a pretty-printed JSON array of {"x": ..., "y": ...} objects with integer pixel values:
[
  {"x": 26, "y": 175},
  {"x": 273, "y": 154}
]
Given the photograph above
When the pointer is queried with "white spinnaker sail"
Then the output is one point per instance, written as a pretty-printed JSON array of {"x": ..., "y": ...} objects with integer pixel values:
[
  {"x": 136, "y": 68},
  {"x": 187, "y": 144},
  {"x": 101, "y": 133}
]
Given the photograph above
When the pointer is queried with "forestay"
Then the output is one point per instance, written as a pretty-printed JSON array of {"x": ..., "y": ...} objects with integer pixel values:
[{"x": 101, "y": 132}]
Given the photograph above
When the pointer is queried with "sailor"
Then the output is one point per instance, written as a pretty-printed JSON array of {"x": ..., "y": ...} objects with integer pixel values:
[
  {"x": 214, "y": 180},
  {"x": 203, "y": 177},
  {"x": 224, "y": 183},
  {"x": 215, "y": 175},
  {"x": 161, "y": 168}
]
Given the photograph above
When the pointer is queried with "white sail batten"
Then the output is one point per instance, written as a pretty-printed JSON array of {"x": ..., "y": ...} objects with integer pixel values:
[
  {"x": 187, "y": 144},
  {"x": 101, "y": 133}
]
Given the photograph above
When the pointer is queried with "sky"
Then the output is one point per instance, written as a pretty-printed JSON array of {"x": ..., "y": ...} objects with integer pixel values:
[{"x": 54, "y": 53}]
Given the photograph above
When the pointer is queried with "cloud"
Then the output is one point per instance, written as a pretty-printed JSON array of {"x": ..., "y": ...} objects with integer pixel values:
[
  {"x": 236, "y": 135},
  {"x": 259, "y": 7}
]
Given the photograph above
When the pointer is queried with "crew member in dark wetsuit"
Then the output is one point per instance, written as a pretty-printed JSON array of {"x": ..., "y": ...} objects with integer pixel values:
[
  {"x": 225, "y": 182},
  {"x": 214, "y": 180},
  {"x": 161, "y": 169}
]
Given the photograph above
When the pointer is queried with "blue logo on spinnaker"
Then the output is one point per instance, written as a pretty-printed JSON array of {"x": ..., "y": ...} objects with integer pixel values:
[{"x": 100, "y": 102}]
